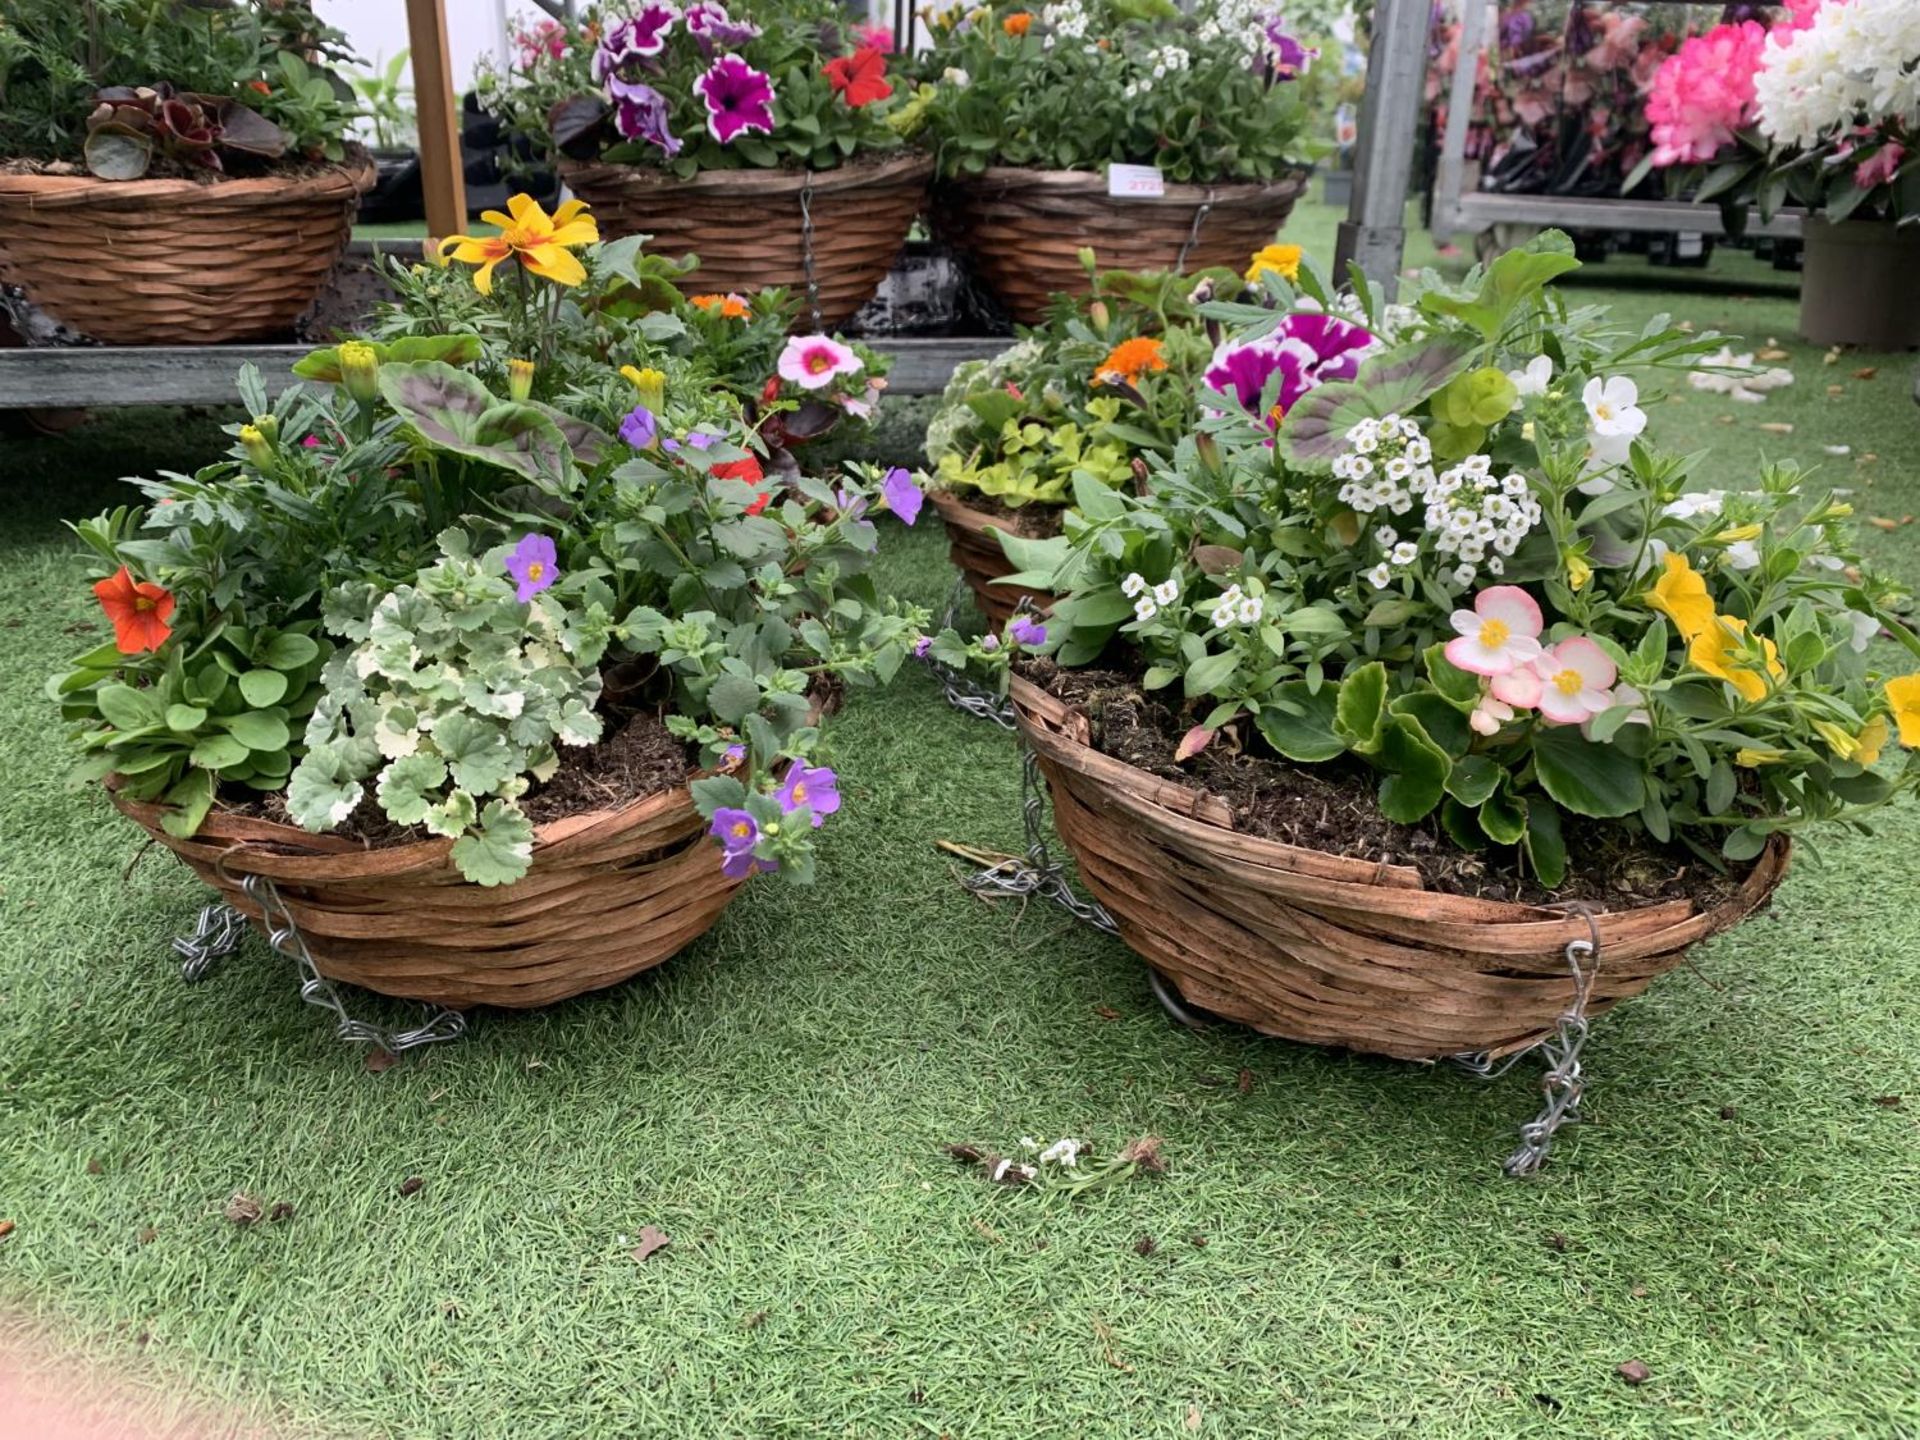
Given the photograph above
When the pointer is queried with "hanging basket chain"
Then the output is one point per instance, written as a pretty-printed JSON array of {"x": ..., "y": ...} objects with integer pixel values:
[
  {"x": 1193, "y": 232},
  {"x": 1038, "y": 873},
  {"x": 806, "y": 249}
]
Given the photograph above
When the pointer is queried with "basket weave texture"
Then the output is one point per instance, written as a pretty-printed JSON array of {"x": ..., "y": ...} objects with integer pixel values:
[
  {"x": 977, "y": 555},
  {"x": 177, "y": 262},
  {"x": 1021, "y": 230},
  {"x": 610, "y": 893},
  {"x": 1332, "y": 951},
  {"x": 749, "y": 228}
]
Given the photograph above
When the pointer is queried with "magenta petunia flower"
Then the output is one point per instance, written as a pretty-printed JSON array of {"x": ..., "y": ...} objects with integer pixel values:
[
  {"x": 640, "y": 429},
  {"x": 710, "y": 25},
  {"x": 640, "y": 112},
  {"x": 903, "y": 496},
  {"x": 739, "y": 99},
  {"x": 1306, "y": 350},
  {"x": 532, "y": 565},
  {"x": 640, "y": 38},
  {"x": 738, "y": 833},
  {"x": 815, "y": 787}
]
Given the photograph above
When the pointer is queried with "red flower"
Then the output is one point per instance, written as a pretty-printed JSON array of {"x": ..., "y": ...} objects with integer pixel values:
[
  {"x": 139, "y": 612},
  {"x": 770, "y": 392},
  {"x": 861, "y": 77},
  {"x": 747, "y": 469},
  {"x": 759, "y": 501}
]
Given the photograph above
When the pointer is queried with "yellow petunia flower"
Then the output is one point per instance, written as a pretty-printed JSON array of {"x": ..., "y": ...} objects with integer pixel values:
[
  {"x": 1753, "y": 759},
  {"x": 1720, "y": 650},
  {"x": 541, "y": 242},
  {"x": 1681, "y": 595},
  {"x": 1872, "y": 738},
  {"x": 1282, "y": 260},
  {"x": 1903, "y": 698},
  {"x": 1843, "y": 745}
]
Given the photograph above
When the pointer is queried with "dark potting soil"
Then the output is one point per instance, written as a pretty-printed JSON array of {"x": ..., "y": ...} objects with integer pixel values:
[
  {"x": 638, "y": 759},
  {"x": 1332, "y": 808},
  {"x": 1038, "y": 521}
]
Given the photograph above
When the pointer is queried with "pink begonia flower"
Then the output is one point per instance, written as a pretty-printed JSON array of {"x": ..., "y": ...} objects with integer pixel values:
[
  {"x": 1881, "y": 167},
  {"x": 1576, "y": 681},
  {"x": 812, "y": 361},
  {"x": 1622, "y": 695},
  {"x": 1703, "y": 94},
  {"x": 1489, "y": 715},
  {"x": 1499, "y": 635}
]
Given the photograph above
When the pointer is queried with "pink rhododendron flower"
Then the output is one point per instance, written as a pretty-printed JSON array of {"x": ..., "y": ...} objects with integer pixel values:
[
  {"x": 1880, "y": 167},
  {"x": 812, "y": 361},
  {"x": 1576, "y": 681},
  {"x": 1499, "y": 635},
  {"x": 1703, "y": 94}
]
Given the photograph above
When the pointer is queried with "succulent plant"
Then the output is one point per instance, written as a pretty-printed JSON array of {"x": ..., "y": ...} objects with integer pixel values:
[{"x": 130, "y": 125}]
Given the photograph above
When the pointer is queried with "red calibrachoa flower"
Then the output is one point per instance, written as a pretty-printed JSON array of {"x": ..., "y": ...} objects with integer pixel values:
[
  {"x": 749, "y": 472},
  {"x": 861, "y": 77},
  {"x": 139, "y": 611}
]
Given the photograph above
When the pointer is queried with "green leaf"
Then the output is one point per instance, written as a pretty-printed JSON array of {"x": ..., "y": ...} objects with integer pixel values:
[
  {"x": 1362, "y": 707},
  {"x": 1314, "y": 431},
  {"x": 258, "y": 730},
  {"x": 1445, "y": 724},
  {"x": 732, "y": 698},
  {"x": 1588, "y": 779},
  {"x": 1461, "y": 824},
  {"x": 191, "y": 796},
  {"x": 263, "y": 688},
  {"x": 126, "y": 708},
  {"x": 1504, "y": 817},
  {"x": 1721, "y": 787},
  {"x": 451, "y": 410},
  {"x": 1509, "y": 280},
  {"x": 477, "y": 754},
  {"x": 500, "y": 851},
  {"x": 289, "y": 651},
  {"x": 409, "y": 786},
  {"x": 1449, "y": 679},
  {"x": 1473, "y": 779},
  {"x": 185, "y": 719},
  {"x": 1745, "y": 843},
  {"x": 1206, "y": 676},
  {"x": 219, "y": 752},
  {"x": 1417, "y": 769},
  {"x": 1545, "y": 848},
  {"x": 1308, "y": 736}
]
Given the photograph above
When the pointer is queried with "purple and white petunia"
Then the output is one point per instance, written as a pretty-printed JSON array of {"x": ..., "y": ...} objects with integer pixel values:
[
  {"x": 738, "y": 833},
  {"x": 1304, "y": 351},
  {"x": 640, "y": 429},
  {"x": 814, "y": 786},
  {"x": 639, "y": 38},
  {"x": 710, "y": 25},
  {"x": 640, "y": 112},
  {"x": 903, "y": 496},
  {"x": 532, "y": 566},
  {"x": 812, "y": 361},
  {"x": 739, "y": 99}
]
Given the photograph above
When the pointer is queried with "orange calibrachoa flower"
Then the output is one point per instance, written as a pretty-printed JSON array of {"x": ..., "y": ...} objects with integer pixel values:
[
  {"x": 731, "y": 307},
  {"x": 861, "y": 78},
  {"x": 1129, "y": 360},
  {"x": 139, "y": 611},
  {"x": 1017, "y": 23},
  {"x": 541, "y": 242}
]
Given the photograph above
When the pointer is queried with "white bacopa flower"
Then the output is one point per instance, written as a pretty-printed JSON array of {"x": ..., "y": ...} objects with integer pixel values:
[
  {"x": 1134, "y": 586},
  {"x": 1167, "y": 591},
  {"x": 1533, "y": 379},
  {"x": 1613, "y": 406}
]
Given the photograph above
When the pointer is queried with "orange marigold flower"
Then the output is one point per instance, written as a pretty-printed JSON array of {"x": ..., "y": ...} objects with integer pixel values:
[
  {"x": 1129, "y": 360},
  {"x": 730, "y": 307},
  {"x": 139, "y": 611},
  {"x": 1017, "y": 23}
]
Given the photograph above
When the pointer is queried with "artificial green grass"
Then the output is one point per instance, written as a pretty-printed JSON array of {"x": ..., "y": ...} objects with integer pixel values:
[{"x": 1334, "y": 1251}]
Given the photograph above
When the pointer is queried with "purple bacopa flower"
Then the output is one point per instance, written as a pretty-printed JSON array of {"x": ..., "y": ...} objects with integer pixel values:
[
  {"x": 710, "y": 25},
  {"x": 640, "y": 112},
  {"x": 640, "y": 429},
  {"x": 1025, "y": 630},
  {"x": 738, "y": 833},
  {"x": 640, "y": 38},
  {"x": 739, "y": 99},
  {"x": 1306, "y": 350},
  {"x": 532, "y": 566},
  {"x": 903, "y": 496},
  {"x": 813, "y": 786}
]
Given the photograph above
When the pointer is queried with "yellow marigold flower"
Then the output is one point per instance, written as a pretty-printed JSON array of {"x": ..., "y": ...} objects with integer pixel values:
[
  {"x": 1282, "y": 260},
  {"x": 1871, "y": 740},
  {"x": 1129, "y": 360},
  {"x": 1754, "y": 759},
  {"x": 651, "y": 383},
  {"x": 541, "y": 242},
  {"x": 1579, "y": 572},
  {"x": 731, "y": 307},
  {"x": 259, "y": 449},
  {"x": 359, "y": 370},
  {"x": 1017, "y": 23},
  {"x": 1843, "y": 745},
  {"x": 519, "y": 379},
  {"x": 1720, "y": 651},
  {"x": 1737, "y": 534},
  {"x": 1682, "y": 597},
  {"x": 1903, "y": 698}
]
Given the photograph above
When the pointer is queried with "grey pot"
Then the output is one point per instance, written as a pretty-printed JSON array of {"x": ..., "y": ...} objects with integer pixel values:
[{"x": 1860, "y": 284}]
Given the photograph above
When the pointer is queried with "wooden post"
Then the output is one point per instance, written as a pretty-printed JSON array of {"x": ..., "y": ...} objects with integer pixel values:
[
  {"x": 1374, "y": 232},
  {"x": 441, "y": 175}
]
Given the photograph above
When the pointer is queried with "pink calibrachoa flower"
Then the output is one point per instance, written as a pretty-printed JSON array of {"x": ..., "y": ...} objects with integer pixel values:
[
  {"x": 812, "y": 361},
  {"x": 1576, "y": 681},
  {"x": 532, "y": 566},
  {"x": 1703, "y": 94},
  {"x": 1499, "y": 635},
  {"x": 814, "y": 786},
  {"x": 739, "y": 99}
]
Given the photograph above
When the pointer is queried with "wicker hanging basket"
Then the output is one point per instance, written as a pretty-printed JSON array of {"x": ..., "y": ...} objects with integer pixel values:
[
  {"x": 977, "y": 555},
  {"x": 610, "y": 893},
  {"x": 750, "y": 228},
  {"x": 1333, "y": 951},
  {"x": 177, "y": 262},
  {"x": 1021, "y": 230}
]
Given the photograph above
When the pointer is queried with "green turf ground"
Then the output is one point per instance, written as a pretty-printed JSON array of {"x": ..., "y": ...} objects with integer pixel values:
[{"x": 1334, "y": 1251}]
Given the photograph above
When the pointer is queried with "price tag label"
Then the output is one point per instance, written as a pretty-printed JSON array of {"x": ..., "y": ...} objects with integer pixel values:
[{"x": 1135, "y": 182}]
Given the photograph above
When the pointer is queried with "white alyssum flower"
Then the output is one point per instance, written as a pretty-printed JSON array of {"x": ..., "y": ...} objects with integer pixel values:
[
  {"x": 1144, "y": 609},
  {"x": 956, "y": 77},
  {"x": 1380, "y": 576},
  {"x": 1226, "y": 608},
  {"x": 1473, "y": 515},
  {"x": 1134, "y": 586},
  {"x": 1384, "y": 466},
  {"x": 1167, "y": 591},
  {"x": 1250, "y": 609}
]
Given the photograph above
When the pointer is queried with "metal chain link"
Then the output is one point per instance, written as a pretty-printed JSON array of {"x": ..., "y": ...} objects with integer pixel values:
[
  {"x": 969, "y": 697},
  {"x": 220, "y": 928},
  {"x": 1193, "y": 232},
  {"x": 1038, "y": 873},
  {"x": 806, "y": 249}
]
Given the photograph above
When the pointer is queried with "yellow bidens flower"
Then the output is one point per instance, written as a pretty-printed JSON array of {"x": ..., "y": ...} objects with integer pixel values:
[
  {"x": 519, "y": 379},
  {"x": 539, "y": 241},
  {"x": 1682, "y": 597},
  {"x": 730, "y": 307},
  {"x": 1872, "y": 738},
  {"x": 360, "y": 370},
  {"x": 1129, "y": 360},
  {"x": 1282, "y": 260},
  {"x": 1720, "y": 650},
  {"x": 651, "y": 383},
  {"x": 1903, "y": 698}
]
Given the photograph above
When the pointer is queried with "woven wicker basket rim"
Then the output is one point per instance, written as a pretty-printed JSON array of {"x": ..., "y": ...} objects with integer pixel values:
[
  {"x": 46, "y": 192},
  {"x": 1089, "y": 184},
  {"x": 1031, "y": 705},
  {"x": 854, "y": 175}
]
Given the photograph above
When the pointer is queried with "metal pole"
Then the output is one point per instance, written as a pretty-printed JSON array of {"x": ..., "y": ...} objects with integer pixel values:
[
  {"x": 1374, "y": 232},
  {"x": 1453, "y": 149}
]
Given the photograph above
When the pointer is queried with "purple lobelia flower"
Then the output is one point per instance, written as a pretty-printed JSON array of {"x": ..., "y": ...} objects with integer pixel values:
[
  {"x": 640, "y": 429},
  {"x": 739, "y": 99},
  {"x": 903, "y": 496},
  {"x": 813, "y": 786},
  {"x": 640, "y": 38},
  {"x": 1306, "y": 350},
  {"x": 531, "y": 564},
  {"x": 710, "y": 25},
  {"x": 640, "y": 112},
  {"x": 737, "y": 833},
  {"x": 1025, "y": 630}
]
